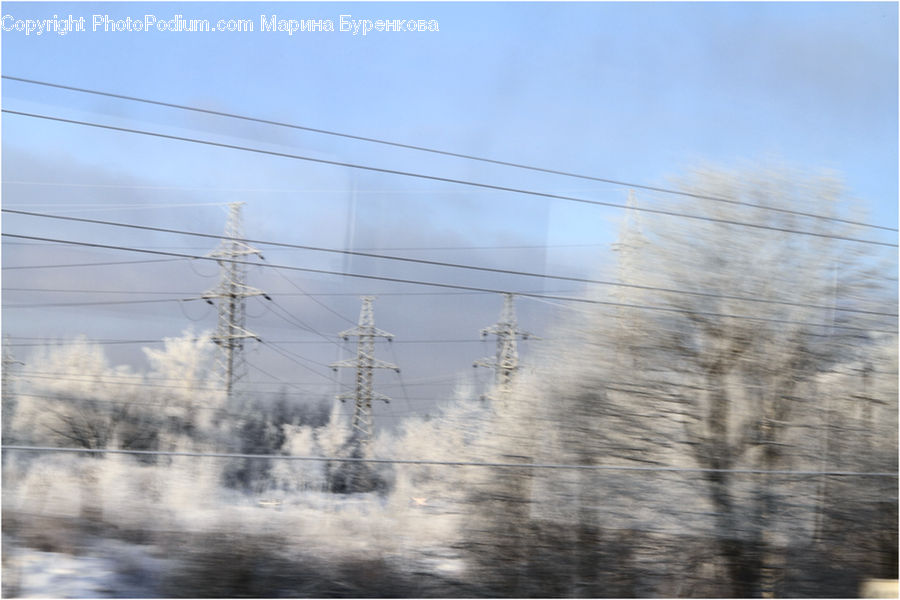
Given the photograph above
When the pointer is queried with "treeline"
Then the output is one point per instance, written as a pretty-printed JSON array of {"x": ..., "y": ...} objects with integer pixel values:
[
  {"x": 727, "y": 427},
  {"x": 764, "y": 358}
]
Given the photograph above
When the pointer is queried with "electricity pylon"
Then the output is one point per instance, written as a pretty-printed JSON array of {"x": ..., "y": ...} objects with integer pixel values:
[
  {"x": 363, "y": 426},
  {"x": 506, "y": 361},
  {"x": 231, "y": 293}
]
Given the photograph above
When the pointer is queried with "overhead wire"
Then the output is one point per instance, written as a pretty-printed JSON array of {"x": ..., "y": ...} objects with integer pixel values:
[
  {"x": 191, "y": 406},
  {"x": 295, "y": 359},
  {"x": 96, "y": 303},
  {"x": 317, "y": 294},
  {"x": 56, "y": 342},
  {"x": 322, "y": 304},
  {"x": 280, "y": 380},
  {"x": 141, "y": 381},
  {"x": 406, "y": 259},
  {"x": 93, "y": 264},
  {"x": 286, "y": 316},
  {"x": 463, "y": 287},
  {"x": 403, "y": 389},
  {"x": 86, "y": 291},
  {"x": 449, "y": 463},
  {"x": 676, "y": 291},
  {"x": 104, "y": 380},
  {"x": 103, "y": 207},
  {"x": 480, "y": 185},
  {"x": 107, "y": 341},
  {"x": 387, "y": 248},
  {"x": 138, "y": 380},
  {"x": 295, "y": 355},
  {"x": 100, "y": 380},
  {"x": 420, "y": 148}
]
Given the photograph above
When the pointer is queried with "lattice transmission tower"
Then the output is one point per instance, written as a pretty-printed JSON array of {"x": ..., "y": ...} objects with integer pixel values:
[
  {"x": 506, "y": 360},
  {"x": 365, "y": 363},
  {"x": 230, "y": 295}
]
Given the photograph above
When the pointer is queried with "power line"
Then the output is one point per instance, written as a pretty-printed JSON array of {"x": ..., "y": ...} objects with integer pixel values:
[
  {"x": 403, "y": 389},
  {"x": 74, "y": 397},
  {"x": 296, "y": 322},
  {"x": 440, "y": 263},
  {"x": 33, "y": 244},
  {"x": 124, "y": 383},
  {"x": 187, "y": 408},
  {"x": 449, "y": 463},
  {"x": 98, "y": 303},
  {"x": 317, "y": 294},
  {"x": 486, "y": 186},
  {"x": 139, "y": 380},
  {"x": 89, "y": 341},
  {"x": 93, "y": 380},
  {"x": 651, "y": 385},
  {"x": 84, "y": 291},
  {"x": 192, "y": 406},
  {"x": 311, "y": 297},
  {"x": 390, "y": 248},
  {"x": 445, "y": 152},
  {"x": 94, "y": 264},
  {"x": 280, "y": 342},
  {"x": 294, "y": 357},
  {"x": 380, "y": 191},
  {"x": 288, "y": 383},
  {"x": 104, "y": 207},
  {"x": 464, "y": 287}
]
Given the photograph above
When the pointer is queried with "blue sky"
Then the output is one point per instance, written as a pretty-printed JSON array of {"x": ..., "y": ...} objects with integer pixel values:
[{"x": 630, "y": 91}]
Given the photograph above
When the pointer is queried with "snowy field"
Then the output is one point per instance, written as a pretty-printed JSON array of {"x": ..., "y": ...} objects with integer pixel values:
[{"x": 115, "y": 570}]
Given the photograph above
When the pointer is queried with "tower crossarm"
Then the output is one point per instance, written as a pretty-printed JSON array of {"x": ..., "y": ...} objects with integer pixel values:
[
  {"x": 375, "y": 396},
  {"x": 370, "y": 362},
  {"x": 236, "y": 333},
  {"x": 232, "y": 249},
  {"x": 234, "y": 290},
  {"x": 365, "y": 332}
]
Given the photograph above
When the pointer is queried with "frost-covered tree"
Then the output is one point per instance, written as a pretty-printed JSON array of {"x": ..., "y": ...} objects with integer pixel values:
[
  {"x": 713, "y": 363},
  {"x": 72, "y": 396},
  {"x": 768, "y": 313},
  {"x": 187, "y": 392}
]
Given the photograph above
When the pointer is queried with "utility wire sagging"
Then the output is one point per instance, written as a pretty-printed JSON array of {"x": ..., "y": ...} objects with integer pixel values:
[
  {"x": 461, "y": 287},
  {"x": 444, "y": 152},
  {"x": 458, "y": 463},
  {"x": 632, "y": 206},
  {"x": 476, "y": 184}
]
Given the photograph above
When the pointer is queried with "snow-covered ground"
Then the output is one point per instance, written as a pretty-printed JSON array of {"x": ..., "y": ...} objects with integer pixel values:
[{"x": 115, "y": 570}]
